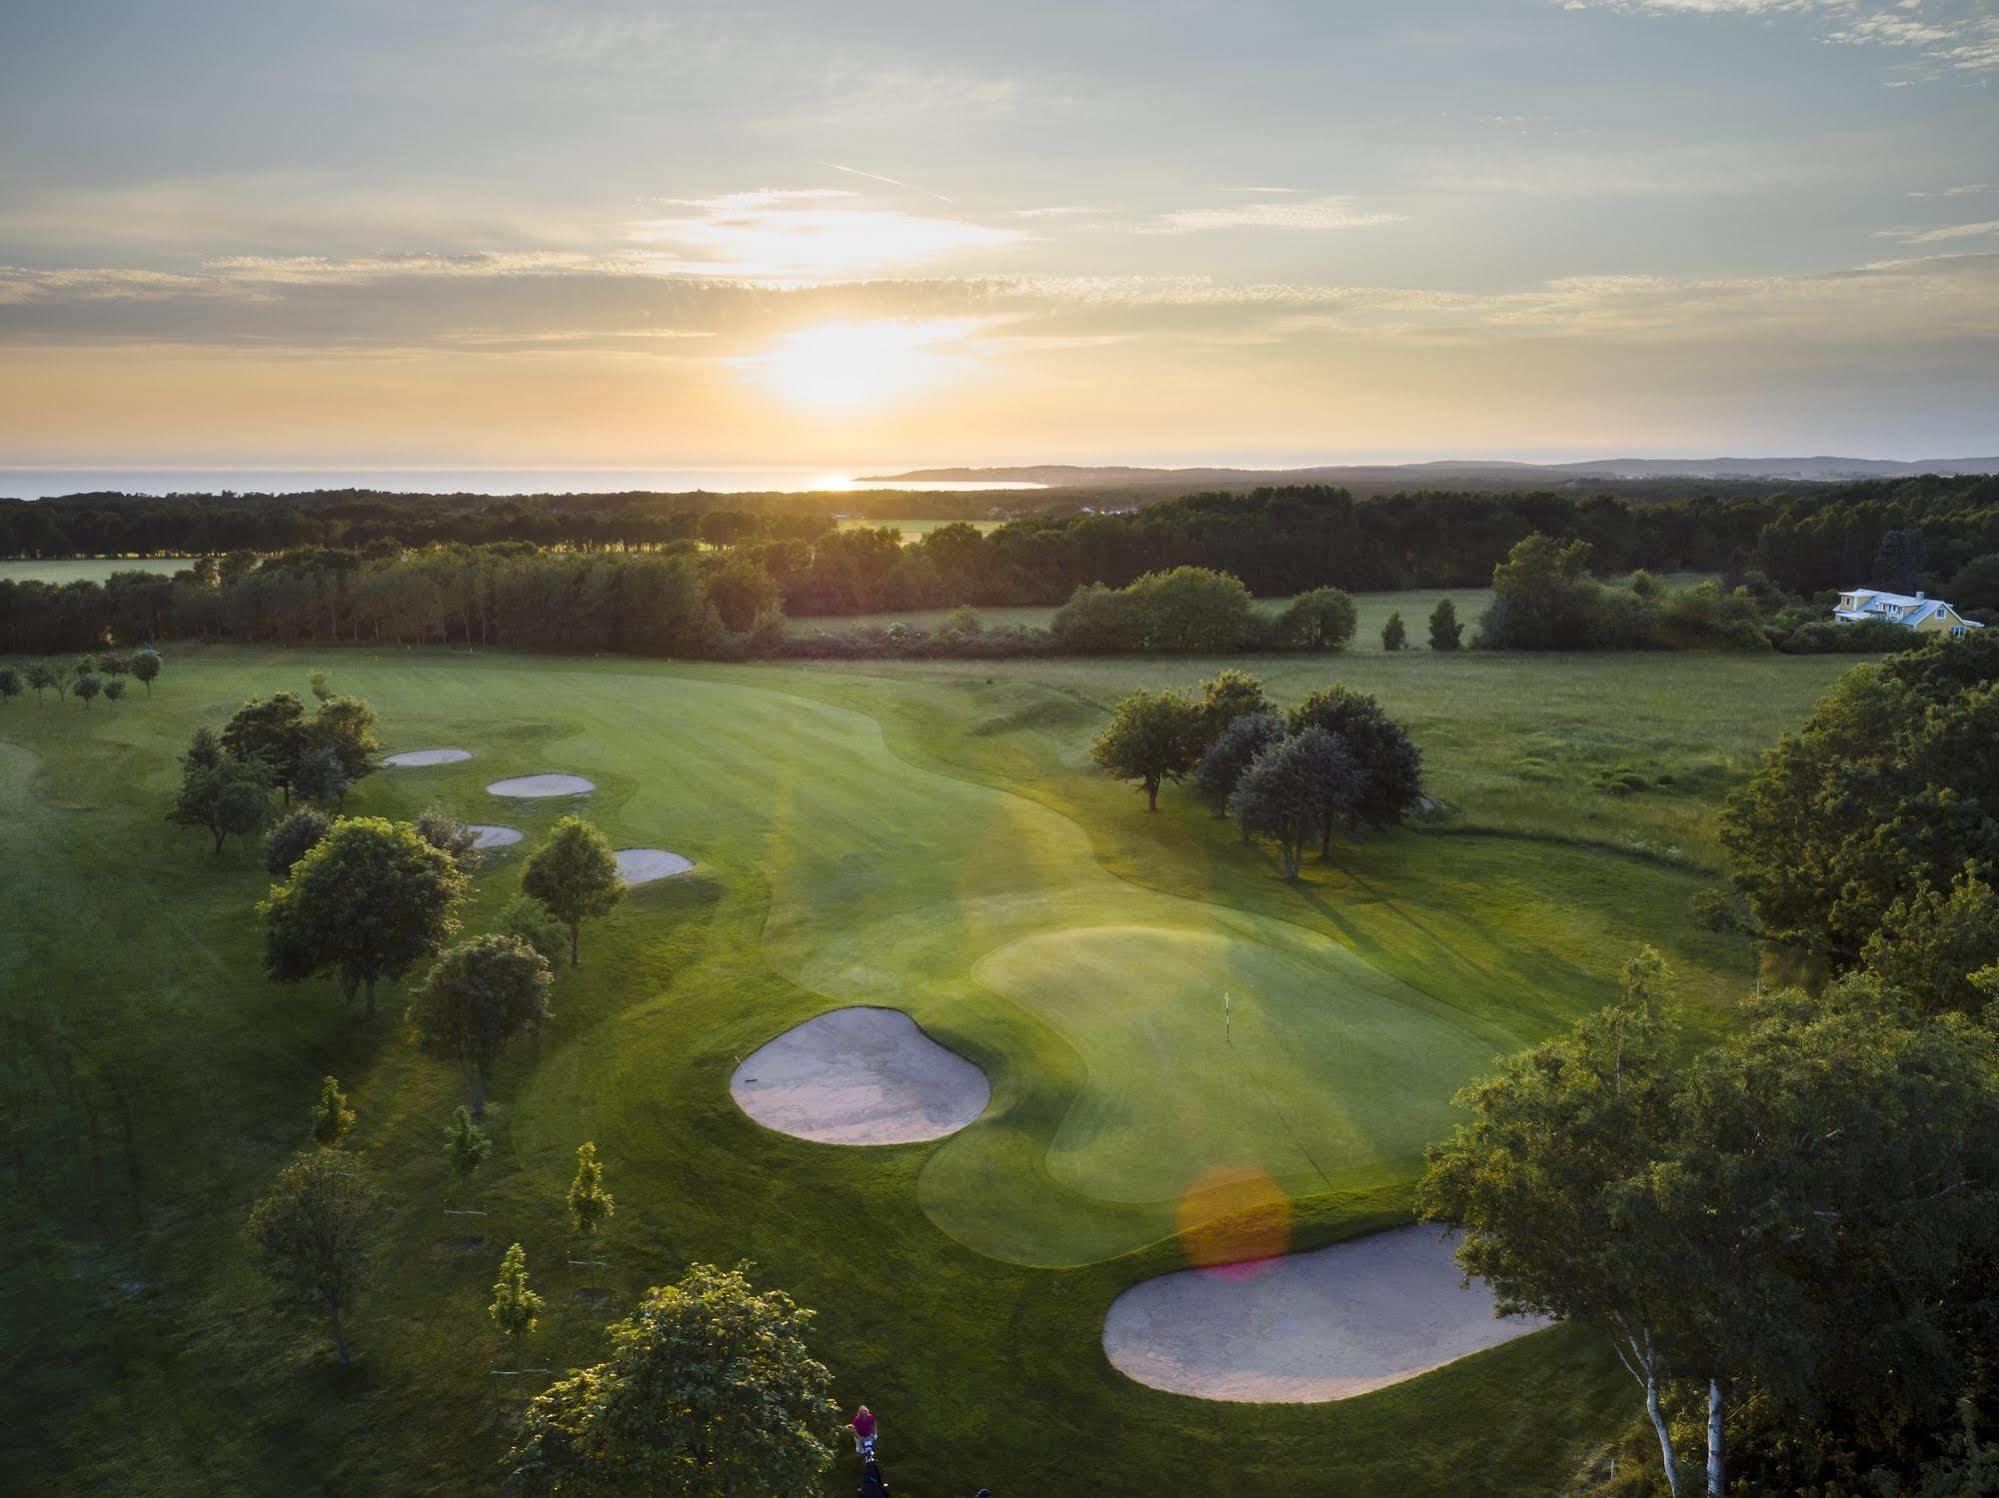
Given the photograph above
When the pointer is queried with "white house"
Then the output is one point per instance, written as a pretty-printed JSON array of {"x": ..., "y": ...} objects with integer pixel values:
[{"x": 1930, "y": 616}]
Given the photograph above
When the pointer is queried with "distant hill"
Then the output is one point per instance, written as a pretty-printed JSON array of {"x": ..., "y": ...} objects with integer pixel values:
[{"x": 1461, "y": 474}]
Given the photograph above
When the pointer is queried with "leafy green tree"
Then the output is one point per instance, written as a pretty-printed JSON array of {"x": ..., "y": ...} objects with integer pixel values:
[
  {"x": 10, "y": 683},
  {"x": 709, "y": 1388},
  {"x": 296, "y": 834},
  {"x": 1931, "y": 943},
  {"x": 1225, "y": 697},
  {"x": 271, "y": 729},
  {"x": 331, "y": 1117},
  {"x": 1322, "y": 619},
  {"x": 1391, "y": 766},
  {"x": 1193, "y": 610},
  {"x": 575, "y": 874},
  {"x": 146, "y": 666},
  {"x": 1445, "y": 631},
  {"x": 442, "y": 830},
  {"x": 1098, "y": 620},
  {"x": 87, "y": 686},
  {"x": 1152, "y": 737},
  {"x": 1233, "y": 752},
  {"x": 346, "y": 726},
  {"x": 1543, "y": 597},
  {"x": 319, "y": 778},
  {"x": 1536, "y": 1189},
  {"x": 114, "y": 690},
  {"x": 320, "y": 683},
  {"x": 113, "y": 666},
  {"x": 590, "y": 1205},
  {"x": 1292, "y": 789},
  {"x": 312, "y": 1229},
  {"x": 41, "y": 676},
  {"x": 741, "y": 591},
  {"x": 1884, "y": 793},
  {"x": 1394, "y": 633},
  {"x": 516, "y": 1310},
  {"x": 369, "y": 901},
  {"x": 526, "y": 919},
  {"x": 226, "y": 797},
  {"x": 466, "y": 1145},
  {"x": 479, "y": 995},
  {"x": 61, "y": 674}
]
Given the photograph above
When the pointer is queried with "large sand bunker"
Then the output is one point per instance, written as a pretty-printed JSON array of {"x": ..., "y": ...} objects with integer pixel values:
[
  {"x": 411, "y": 759},
  {"x": 485, "y": 835},
  {"x": 643, "y": 865},
  {"x": 859, "y": 1076},
  {"x": 1306, "y": 1328},
  {"x": 532, "y": 786}
]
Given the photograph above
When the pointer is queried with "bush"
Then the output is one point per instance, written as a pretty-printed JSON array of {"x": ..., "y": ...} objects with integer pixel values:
[
  {"x": 1395, "y": 634},
  {"x": 1323, "y": 619}
]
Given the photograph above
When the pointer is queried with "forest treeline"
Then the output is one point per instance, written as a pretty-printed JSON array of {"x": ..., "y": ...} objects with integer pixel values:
[{"x": 727, "y": 587}]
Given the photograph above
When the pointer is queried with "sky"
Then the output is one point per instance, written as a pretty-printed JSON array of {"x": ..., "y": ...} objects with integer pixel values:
[{"x": 861, "y": 235}]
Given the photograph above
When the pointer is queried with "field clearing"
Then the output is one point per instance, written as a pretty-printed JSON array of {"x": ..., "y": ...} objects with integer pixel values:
[
  {"x": 912, "y": 530},
  {"x": 925, "y": 835},
  {"x": 87, "y": 569}
]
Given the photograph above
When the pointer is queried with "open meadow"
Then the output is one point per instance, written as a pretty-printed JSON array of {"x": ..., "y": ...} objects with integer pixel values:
[{"x": 922, "y": 836}]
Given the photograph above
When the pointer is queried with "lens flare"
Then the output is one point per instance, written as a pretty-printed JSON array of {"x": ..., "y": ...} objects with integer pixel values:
[{"x": 1233, "y": 1220}]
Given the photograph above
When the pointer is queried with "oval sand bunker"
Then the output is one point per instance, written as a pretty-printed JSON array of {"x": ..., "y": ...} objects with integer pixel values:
[
  {"x": 1307, "y": 1328},
  {"x": 411, "y": 759},
  {"x": 533, "y": 786},
  {"x": 859, "y": 1076},
  {"x": 486, "y": 835},
  {"x": 643, "y": 865}
]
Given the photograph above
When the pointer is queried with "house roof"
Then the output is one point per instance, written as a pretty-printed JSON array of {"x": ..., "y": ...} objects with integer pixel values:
[{"x": 1898, "y": 607}]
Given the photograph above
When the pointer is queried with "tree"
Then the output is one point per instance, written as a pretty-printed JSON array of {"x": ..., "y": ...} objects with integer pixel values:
[
  {"x": 1152, "y": 737},
  {"x": 1232, "y": 753},
  {"x": 516, "y": 1310},
  {"x": 1394, "y": 633},
  {"x": 1323, "y": 619},
  {"x": 271, "y": 729},
  {"x": 1225, "y": 697},
  {"x": 1931, "y": 943},
  {"x": 589, "y": 1203},
  {"x": 10, "y": 683},
  {"x": 319, "y": 778},
  {"x": 478, "y": 996},
  {"x": 709, "y": 1388},
  {"x": 113, "y": 666},
  {"x": 369, "y": 901},
  {"x": 146, "y": 666},
  {"x": 1193, "y": 610},
  {"x": 443, "y": 831},
  {"x": 466, "y": 1145},
  {"x": 1445, "y": 631},
  {"x": 331, "y": 1117},
  {"x": 227, "y": 797},
  {"x": 60, "y": 677},
  {"x": 1884, "y": 793},
  {"x": 296, "y": 834},
  {"x": 575, "y": 874},
  {"x": 1535, "y": 1189},
  {"x": 87, "y": 686},
  {"x": 1292, "y": 790},
  {"x": 1542, "y": 597},
  {"x": 1390, "y": 765},
  {"x": 526, "y": 919},
  {"x": 114, "y": 690},
  {"x": 41, "y": 676},
  {"x": 320, "y": 683},
  {"x": 346, "y": 726},
  {"x": 312, "y": 1229}
]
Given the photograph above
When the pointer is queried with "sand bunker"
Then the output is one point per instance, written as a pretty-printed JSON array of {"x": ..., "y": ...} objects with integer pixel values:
[
  {"x": 410, "y": 759},
  {"x": 542, "y": 785},
  {"x": 1306, "y": 1328},
  {"x": 860, "y": 1076},
  {"x": 643, "y": 865},
  {"x": 485, "y": 835}
]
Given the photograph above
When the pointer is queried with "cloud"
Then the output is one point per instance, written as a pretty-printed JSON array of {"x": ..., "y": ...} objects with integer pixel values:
[
  {"x": 1965, "y": 191},
  {"x": 1310, "y": 214},
  {"x": 811, "y": 234},
  {"x": 1939, "y": 235},
  {"x": 1950, "y": 35}
]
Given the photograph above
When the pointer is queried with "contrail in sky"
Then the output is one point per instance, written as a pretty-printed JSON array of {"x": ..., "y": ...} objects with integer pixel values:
[{"x": 891, "y": 181}]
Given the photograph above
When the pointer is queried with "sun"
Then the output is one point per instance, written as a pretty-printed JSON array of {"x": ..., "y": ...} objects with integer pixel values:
[{"x": 847, "y": 367}]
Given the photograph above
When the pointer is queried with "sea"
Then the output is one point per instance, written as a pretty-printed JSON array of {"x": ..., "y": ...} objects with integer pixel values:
[{"x": 40, "y": 483}]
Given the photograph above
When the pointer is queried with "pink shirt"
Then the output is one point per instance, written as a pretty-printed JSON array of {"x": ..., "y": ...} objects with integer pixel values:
[{"x": 864, "y": 1423}]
